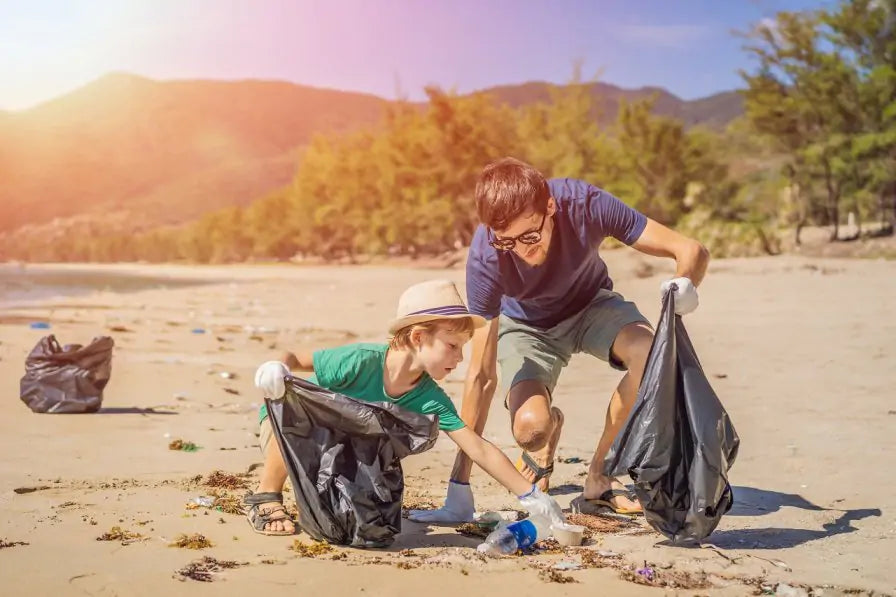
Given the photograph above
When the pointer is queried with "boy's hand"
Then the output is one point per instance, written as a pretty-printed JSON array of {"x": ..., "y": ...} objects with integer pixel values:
[
  {"x": 686, "y": 299},
  {"x": 269, "y": 379},
  {"x": 538, "y": 503},
  {"x": 458, "y": 506}
]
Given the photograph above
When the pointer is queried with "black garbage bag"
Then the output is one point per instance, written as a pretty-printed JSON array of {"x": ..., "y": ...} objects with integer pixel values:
[
  {"x": 343, "y": 457},
  {"x": 66, "y": 379},
  {"x": 678, "y": 442}
]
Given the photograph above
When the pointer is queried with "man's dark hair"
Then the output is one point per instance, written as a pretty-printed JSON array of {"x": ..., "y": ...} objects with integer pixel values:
[{"x": 508, "y": 189}]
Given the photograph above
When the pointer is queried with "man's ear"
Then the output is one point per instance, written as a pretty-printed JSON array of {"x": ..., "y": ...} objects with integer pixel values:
[{"x": 552, "y": 207}]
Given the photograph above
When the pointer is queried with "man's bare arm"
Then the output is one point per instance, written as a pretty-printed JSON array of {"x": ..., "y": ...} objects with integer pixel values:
[
  {"x": 479, "y": 388},
  {"x": 690, "y": 256}
]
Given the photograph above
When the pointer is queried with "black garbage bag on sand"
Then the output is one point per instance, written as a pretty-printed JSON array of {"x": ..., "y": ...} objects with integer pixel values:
[
  {"x": 343, "y": 457},
  {"x": 66, "y": 379},
  {"x": 678, "y": 442}
]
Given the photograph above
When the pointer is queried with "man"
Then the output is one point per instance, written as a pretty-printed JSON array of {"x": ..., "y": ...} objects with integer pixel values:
[{"x": 534, "y": 271}]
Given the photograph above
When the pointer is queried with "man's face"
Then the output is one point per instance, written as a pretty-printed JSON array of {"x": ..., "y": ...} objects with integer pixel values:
[{"x": 533, "y": 254}]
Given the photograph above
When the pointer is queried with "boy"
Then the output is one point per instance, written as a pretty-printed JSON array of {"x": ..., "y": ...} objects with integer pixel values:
[{"x": 428, "y": 335}]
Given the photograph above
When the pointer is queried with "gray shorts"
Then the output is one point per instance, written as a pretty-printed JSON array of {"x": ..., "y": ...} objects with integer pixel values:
[{"x": 527, "y": 353}]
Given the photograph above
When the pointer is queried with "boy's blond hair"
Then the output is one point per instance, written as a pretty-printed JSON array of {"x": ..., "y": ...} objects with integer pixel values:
[{"x": 402, "y": 338}]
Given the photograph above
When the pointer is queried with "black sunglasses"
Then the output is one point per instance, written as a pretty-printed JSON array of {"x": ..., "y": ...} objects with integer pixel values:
[{"x": 530, "y": 237}]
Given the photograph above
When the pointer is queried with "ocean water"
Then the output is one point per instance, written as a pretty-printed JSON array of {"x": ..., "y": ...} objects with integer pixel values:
[{"x": 21, "y": 284}]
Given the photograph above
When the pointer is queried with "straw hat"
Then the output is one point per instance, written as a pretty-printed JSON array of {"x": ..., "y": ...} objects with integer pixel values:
[{"x": 431, "y": 301}]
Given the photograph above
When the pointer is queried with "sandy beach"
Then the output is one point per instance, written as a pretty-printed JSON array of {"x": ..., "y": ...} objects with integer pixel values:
[{"x": 800, "y": 350}]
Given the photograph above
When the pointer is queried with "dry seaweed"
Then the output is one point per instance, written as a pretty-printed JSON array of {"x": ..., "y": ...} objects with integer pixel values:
[
  {"x": 4, "y": 543},
  {"x": 183, "y": 446},
  {"x": 551, "y": 575},
  {"x": 591, "y": 559},
  {"x": 405, "y": 565},
  {"x": 416, "y": 503},
  {"x": 548, "y": 546},
  {"x": 311, "y": 550},
  {"x": 594, "y": 523},
  {"x": 672, "y": 579},
  {"x": 228, "y": 480},
  {"x": 116, "y": 533},
  {"x": 204, "y": 570},
  {"x": 227, "y": 503},
  {"x": 471, "y": 529},
  {"x": 194, "y": 541}
]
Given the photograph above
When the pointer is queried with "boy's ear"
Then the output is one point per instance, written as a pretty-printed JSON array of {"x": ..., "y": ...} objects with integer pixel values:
[{"x": 416, "y": 337}]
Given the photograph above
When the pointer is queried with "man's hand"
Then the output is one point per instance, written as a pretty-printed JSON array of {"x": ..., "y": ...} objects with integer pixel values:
[
  {"x": 686, "y": 299},
  {"x": 458, "y": 506},
  {"x": 538, "y": 503},
  {"x": 269, "y": 379}
]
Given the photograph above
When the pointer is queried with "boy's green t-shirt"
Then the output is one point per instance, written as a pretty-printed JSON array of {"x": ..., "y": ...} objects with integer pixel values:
[{"x": 356, "y": 370}]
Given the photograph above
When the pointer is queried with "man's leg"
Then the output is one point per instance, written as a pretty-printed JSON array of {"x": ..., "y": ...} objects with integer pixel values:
[
  {"x": 630, "y": 348},
  {"x": 531, "y": 360},
  {"x": 536, "y": 426}
]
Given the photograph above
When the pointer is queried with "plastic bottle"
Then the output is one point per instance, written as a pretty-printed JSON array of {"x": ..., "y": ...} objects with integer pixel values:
[{"x": 506, "y": 540}]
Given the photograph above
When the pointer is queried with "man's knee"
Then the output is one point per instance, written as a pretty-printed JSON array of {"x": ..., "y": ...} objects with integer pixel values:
[
  {"x": 531, "y": 430},
  {"x": 530, "y": 411}
]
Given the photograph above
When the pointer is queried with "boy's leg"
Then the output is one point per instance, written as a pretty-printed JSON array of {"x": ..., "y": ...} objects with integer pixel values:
[
  {"x": 273, "y": 476},
  {"x": 616, "y": 332},
  {"x": 531, "y": 361}
]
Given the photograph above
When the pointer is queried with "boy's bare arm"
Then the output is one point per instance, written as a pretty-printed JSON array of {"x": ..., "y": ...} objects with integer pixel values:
[
  {"x": 479, "y": 388},
  {"x": 490, "y": 459},
  {"x": 299, "y": 361}
]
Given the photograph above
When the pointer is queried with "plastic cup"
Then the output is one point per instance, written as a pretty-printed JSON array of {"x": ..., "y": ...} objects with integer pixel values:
[{"x": 568, "y": 535}]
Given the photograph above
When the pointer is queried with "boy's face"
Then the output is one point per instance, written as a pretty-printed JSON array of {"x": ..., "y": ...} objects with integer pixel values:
[
  {"x": 442, "y": 351},
  {"x": 525, "y": 226}
]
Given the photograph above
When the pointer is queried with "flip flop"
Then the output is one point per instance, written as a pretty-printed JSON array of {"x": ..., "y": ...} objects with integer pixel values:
[
  {"x": 541, "y": 472},
  {"x": 583, "y": 505}
]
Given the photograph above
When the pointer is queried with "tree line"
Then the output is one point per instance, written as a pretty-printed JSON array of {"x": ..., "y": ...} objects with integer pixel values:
[{"x": 818, "y": 140}]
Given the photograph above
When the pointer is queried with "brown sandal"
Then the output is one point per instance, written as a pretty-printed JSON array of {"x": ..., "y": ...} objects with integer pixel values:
[
  {"x": 603, "y": 503},
  {"x": 259, "y": 519}
]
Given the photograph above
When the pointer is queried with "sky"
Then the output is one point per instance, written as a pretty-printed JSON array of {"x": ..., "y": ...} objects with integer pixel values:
[{"x": 391, "y": 48}]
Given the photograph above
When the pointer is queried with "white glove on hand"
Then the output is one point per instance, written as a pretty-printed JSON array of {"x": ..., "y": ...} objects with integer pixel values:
[
  {"x": 686, "y": 299},
  {"x": 538, "y": 503},
  {"x": 269, "y": 379},
  {"x": 458, "y": 506}
]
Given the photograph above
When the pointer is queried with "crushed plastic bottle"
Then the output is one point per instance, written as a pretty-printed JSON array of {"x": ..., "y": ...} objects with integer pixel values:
[{"x": 506, "y": 540}]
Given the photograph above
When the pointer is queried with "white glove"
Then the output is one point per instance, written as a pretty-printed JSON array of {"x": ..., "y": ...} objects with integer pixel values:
[
  {"x": 538, "y": 503},
  {"x": 458, "y": 506},
  {"x": 269, "y": 379},
  {"x": 686, "y": 299}
]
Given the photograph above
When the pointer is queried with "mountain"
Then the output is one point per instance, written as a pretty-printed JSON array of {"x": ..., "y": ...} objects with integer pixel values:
[
  {"x": 714, "y": 111},
  {"x": 166, "y": 151},
  {"x": 128, "y": 148}
]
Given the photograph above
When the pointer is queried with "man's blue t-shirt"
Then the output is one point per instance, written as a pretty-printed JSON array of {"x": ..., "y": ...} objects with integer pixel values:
[{"x": 573, "y": 272}]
